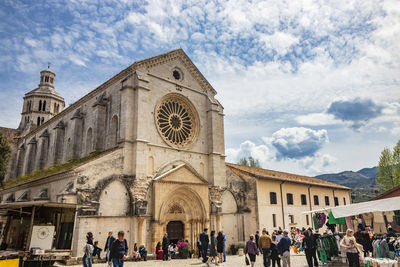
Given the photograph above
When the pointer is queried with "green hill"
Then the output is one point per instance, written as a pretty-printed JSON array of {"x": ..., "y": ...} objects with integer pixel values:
[{"x": 363, "y": 182}]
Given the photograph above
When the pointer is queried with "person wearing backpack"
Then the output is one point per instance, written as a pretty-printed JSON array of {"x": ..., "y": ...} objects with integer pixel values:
[
  {"x": 88, "y": 250},
  {"x": 119, "y": 250}
]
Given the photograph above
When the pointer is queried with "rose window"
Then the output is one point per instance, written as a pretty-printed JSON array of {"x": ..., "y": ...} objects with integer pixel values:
[{"x": 176, "y": 120}]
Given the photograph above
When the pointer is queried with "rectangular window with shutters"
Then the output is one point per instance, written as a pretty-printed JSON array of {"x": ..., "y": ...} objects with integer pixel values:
[
  {"x": 336, "y": 201},
  {"x": 274, "y": 220},
  {"x": 272, "y": 197},
  {"x": 303, "y": 200},
  {"x": 316, "y": 200},
  {"x": 344, "y": 201},
  {"x": 307, "y": 220},
  {"x": 289, "y": 198},
  {"x": 326, "y": 200}
]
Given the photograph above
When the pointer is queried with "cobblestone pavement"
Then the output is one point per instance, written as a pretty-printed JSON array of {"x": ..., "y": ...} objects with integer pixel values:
[{"x": 231, "y": 261}]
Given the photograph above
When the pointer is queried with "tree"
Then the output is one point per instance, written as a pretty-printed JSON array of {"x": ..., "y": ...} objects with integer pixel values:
[
  {"x": 389, "y": 168},
  {"x": 250, "y": 162},
  {"x": 5, "y": 154}
]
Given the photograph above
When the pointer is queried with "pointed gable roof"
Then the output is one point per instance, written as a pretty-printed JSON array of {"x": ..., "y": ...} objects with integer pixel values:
[
  {"x": 182, "y": 173},
  {"x": 173, "y": 54}
]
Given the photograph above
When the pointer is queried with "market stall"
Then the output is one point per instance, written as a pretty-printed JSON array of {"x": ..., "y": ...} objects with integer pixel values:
[{"x": 375, "y": 224}]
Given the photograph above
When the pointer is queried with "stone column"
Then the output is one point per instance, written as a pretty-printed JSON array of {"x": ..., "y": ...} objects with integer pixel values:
[
  {"x": 30, "y": 160},
  {"x": 218, "y": 222},
  {"x": 140, "y": 230},
  {"x": 100, "y": 118},
  {"x": 77, "y": 126},
  {"x": 58, "y": 143},
  {"x": 127, "y": 123},
  {"x": 20, "y": 161},
  {"x": 42, "y": 157}
]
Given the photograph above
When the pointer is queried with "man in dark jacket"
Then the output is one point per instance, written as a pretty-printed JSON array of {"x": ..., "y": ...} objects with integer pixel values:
[
  {"x": 310, "y": 247},
  {"x": 204, "y": 240},
  {"x": 165, "y": 244},
  {"x": 283, "y": 248},
  {"x": 109, "y": 241},
  {"x": 119, "y": 250}
]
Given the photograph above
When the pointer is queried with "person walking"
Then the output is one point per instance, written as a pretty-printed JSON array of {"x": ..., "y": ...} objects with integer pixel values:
[
  {"x": 257, "y": 237},
  {"x": 204, "y": 240},
  {"x": 109, "y": 241},
  {"x": 165, "y": 247},
  {"x": 88, "y": 250},
  {"x": 274, "y": 253},
  {"x": 350, "y": 244},
  {"x": 264, "y": 244},
  {"x": 213, "y": 249},
  {"x": 224, "y": 245},
  {"x": 220, "y": 246},
  {"x": 252, "y": 250},
  {"x": 119, "y": 250},
  {"x": 199, "y": 247},
  {"x": 283, "y": 248},
  {"x": 310, "y": 248}
]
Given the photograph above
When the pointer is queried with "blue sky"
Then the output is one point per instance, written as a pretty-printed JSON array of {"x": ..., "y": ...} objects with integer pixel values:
[{"x": 308, "y": 86}]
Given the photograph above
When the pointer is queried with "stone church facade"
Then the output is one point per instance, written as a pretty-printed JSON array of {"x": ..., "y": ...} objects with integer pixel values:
[{"x": 144, "y": 153}]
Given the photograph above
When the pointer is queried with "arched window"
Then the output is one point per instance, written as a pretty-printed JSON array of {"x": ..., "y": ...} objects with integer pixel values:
[
  {"x": 55, "y": 108},
  {"x": 44, "y": 105},
  {"x": 40, "y": 105},
  {"x": 38, "y": 121},
  {"x": 46, "y": 79},
  {"x": 42, "y": 120},
  {"x": 89, "y": 144}
]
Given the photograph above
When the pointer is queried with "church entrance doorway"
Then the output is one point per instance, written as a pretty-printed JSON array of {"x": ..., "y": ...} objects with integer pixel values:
[{"x": 175, "y": 230}]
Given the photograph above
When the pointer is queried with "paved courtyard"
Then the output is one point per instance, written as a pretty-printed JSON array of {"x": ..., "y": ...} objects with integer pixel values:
[{"x": 231, "y": 261}]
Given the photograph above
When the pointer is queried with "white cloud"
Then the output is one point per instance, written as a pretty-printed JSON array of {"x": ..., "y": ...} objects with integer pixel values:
[{"x": 317, "y": 119}]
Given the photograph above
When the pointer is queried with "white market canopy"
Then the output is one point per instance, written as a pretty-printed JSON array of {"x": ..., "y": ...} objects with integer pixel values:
[{"x": 381, "y": 205}]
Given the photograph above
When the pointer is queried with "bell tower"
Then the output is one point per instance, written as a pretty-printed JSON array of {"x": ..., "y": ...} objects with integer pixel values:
[{"x": 41, "y": 103}]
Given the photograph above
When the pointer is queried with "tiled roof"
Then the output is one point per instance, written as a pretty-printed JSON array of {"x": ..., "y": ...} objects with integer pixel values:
[
  {"x": 9, "y": 133},
  {"x": 281, "y": 176}
]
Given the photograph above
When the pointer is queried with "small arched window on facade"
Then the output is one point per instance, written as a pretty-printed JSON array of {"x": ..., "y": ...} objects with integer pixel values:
[
  {"x": 44, "y": 105},
  {"x": 38, "y": 121},
  {"x": 42, "y": 120},
  {"x": 40, "y": 105}
]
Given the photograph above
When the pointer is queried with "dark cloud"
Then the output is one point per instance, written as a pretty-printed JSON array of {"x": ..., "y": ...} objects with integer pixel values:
[
  {"x": 298, "y": 142},
  {"x": 358, "y": 111}
]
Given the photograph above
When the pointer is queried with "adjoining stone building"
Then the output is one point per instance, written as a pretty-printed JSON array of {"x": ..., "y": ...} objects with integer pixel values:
[{"x": 144, "y": 153}]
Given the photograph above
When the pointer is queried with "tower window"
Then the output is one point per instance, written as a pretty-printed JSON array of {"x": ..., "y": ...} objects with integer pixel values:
[
  {"x": 46, "y": 79},
  {"x": 327, "y": 201},
  {"x": 316, "y": 200},
  {"x": 273, "y": 220},
  {"x": 41, "y": 79},
  {"x": 303, "y": 200},
  {"x": 42, "y": 120},
  {"x": 272, "y": 197},
  {"x": 289, "y": 198},
  {"x": 51, "y": 79},
  {"x": 44, "y": 105},
  {"x": 336, "y": 199},
  {"x": 40, "y": 105},
  {"x": 38, "y": 121}
]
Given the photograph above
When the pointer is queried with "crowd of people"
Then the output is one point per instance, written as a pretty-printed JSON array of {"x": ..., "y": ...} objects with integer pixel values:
[
  {"x": 274, "y": 248},
  {"x": 116, "y": 250}
]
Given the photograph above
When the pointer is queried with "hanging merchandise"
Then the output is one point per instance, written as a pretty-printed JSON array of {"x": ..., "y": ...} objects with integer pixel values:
[
  {"x": 319, "y": 220},
  {"x": 333, "y": 220},
  {"x": 327, "y": 248}
]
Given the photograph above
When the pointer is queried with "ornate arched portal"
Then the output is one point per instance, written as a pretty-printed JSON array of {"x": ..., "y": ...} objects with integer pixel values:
[{"x": 181, "y": 213}]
